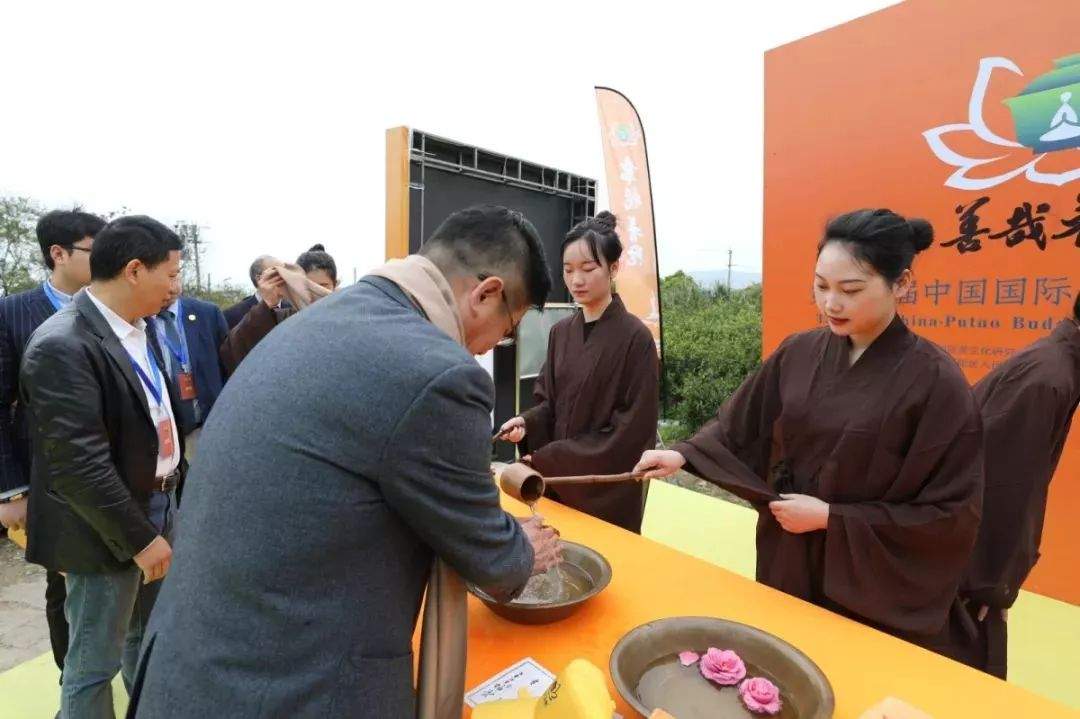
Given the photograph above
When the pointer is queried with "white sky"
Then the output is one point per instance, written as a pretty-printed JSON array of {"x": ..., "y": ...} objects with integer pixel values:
[{"x": 265, "y": 122}]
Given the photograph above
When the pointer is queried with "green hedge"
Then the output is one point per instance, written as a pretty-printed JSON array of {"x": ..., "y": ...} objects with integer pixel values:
[{"x": 712, "y": 341}]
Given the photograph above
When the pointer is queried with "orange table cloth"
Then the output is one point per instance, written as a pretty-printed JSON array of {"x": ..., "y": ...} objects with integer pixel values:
[{"x": 651, "y": 581}]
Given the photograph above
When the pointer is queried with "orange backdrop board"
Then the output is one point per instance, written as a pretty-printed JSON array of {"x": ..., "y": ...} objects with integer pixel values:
[{"x": 965, "y": 113}]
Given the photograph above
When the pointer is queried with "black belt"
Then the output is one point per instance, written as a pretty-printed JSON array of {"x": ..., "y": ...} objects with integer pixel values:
[{"x": 167, "y": 483}]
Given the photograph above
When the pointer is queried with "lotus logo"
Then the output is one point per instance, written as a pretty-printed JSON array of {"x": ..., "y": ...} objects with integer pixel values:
[
  {"x": 1046, "y": 115},
  {"x": 622, "y": 134}
]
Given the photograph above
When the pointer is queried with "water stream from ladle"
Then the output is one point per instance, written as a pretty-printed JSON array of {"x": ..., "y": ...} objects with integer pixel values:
[{"x": 549, "y": 586}]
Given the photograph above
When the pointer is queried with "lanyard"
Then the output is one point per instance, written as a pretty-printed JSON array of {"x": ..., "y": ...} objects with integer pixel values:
[
  {"x": 153, "y": 387},
  {"x": 181, "y": 352}
]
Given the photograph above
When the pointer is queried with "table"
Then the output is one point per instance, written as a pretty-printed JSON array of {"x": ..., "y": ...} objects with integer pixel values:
[{"x": 651, "y": 581}]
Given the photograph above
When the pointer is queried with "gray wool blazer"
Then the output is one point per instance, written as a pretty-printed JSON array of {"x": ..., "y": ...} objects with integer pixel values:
[{"x": 351, "y": 446}]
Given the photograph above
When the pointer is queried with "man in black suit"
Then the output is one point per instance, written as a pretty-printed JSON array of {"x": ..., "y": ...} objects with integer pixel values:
[
  {"x": 234, "y": 314},
  {"x": 189, "y": 332},
  {"x": 106, "y": 455},
  {"x": 65, "y": 237}
]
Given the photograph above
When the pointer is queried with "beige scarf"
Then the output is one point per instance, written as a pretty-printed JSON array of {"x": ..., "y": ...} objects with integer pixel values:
[
  {"x": 444, "y": 636},
  {"x": 299, "y": 290}
]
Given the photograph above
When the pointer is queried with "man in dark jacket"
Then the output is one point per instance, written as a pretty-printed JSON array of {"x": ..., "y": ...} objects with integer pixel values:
[
  {"x": 190, "y": 331},
  {"x": 106, "y": 454},
  {"x": 66, "y": 238}
]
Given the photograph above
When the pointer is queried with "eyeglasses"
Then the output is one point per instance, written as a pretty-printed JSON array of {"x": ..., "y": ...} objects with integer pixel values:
[
  {"x": 509, "y": 336},
  {"x": 87, "y": 250},
  {"x": 509, "y": 315}
]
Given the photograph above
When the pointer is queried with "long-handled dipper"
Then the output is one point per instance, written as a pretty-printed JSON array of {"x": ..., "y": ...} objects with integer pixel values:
[{"x": 525, "y": 484}]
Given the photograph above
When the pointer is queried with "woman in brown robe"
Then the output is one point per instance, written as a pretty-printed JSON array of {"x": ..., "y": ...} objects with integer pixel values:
[
  {"x": 859, "y": 444},
  {"x": 1027, "y": 404},
  {"x": 597, "y": 396}
]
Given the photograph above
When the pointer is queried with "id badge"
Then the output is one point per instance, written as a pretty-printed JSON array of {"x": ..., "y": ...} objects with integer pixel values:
[
  {"x": 186, "y": 382},
  {"x": 166, "y": 440}
]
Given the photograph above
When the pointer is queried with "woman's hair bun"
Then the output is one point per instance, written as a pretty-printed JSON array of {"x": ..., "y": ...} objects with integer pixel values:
[
  {"x": 922, "y": 234},
  {"x": 317, "y": 248},
  {"x": 607, "y": 219}
]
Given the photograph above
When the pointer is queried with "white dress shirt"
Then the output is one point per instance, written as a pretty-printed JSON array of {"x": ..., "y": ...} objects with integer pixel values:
[{"x": 133, "y": 338}]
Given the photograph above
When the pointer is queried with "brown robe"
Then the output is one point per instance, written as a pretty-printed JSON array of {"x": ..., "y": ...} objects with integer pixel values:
[
  {"x": 1027, "y": 407},
  {"x": 597, "y": 404},
  {"x": 892, "y": 443}
]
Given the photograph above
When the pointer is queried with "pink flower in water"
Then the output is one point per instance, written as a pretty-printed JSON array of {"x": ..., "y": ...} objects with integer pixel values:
[
  {"x": 760, "y": 696},
  {"x": 723, "y": 667},
  {"x": 688, "y": 657}
]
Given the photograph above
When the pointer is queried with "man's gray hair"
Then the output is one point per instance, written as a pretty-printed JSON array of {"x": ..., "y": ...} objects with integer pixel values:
[{"x": 257, "y": 268}]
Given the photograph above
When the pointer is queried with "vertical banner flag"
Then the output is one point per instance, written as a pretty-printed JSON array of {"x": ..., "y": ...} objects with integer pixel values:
[{"x": 626, "y": 164}]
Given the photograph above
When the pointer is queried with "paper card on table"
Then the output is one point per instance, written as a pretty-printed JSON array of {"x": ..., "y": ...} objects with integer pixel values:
[
  {"x": 893, "y": 708},
  {"x": 526, "y": 674}
]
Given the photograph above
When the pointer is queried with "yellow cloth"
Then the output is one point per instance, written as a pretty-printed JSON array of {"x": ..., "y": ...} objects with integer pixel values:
[
  {"x": 578, "y": 692},
  {"x": 18, "y": 536},
  {"x": 893, "y": 708}
]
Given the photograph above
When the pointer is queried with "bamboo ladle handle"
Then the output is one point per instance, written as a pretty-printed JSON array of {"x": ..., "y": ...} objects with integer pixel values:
[
  {"x": 596, "y": 478},
  {"x": 525, "y": 484}
]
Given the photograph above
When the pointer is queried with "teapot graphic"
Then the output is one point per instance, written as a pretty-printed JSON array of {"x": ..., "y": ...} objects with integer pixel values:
[{"x": 1045, "y": 112}]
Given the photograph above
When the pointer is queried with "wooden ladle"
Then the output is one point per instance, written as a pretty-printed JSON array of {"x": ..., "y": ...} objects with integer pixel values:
[{"x": 525, "y": 484}]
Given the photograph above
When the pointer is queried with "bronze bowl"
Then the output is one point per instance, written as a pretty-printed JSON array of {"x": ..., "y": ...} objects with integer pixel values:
[
  {"x": 805, "y": 690},
  {"x": 591, "y": 563}
]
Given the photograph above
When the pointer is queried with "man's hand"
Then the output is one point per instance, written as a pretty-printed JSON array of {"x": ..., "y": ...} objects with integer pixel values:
[
  {"x": 513, "y": 430},
  {"x": 800, "y": 513},
  {"x": 547, "y": 548},
  {"x": 656, "y": 463},
  {"x": 13, "y": 514},
  {"x": 154, "y": 561},
  {"x": 271, "y": 287}
]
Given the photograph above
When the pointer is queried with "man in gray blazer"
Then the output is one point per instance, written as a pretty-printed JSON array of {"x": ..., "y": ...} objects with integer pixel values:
[{"x": 319, "y": 499}]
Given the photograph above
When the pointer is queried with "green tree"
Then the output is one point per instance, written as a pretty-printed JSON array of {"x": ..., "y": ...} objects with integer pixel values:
[
  {"x": 712, "y": 341},
  {"x": 195, "y": 284},
  {"x": 224, "y": 295},
  {"x": 21, "y": 267}
]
